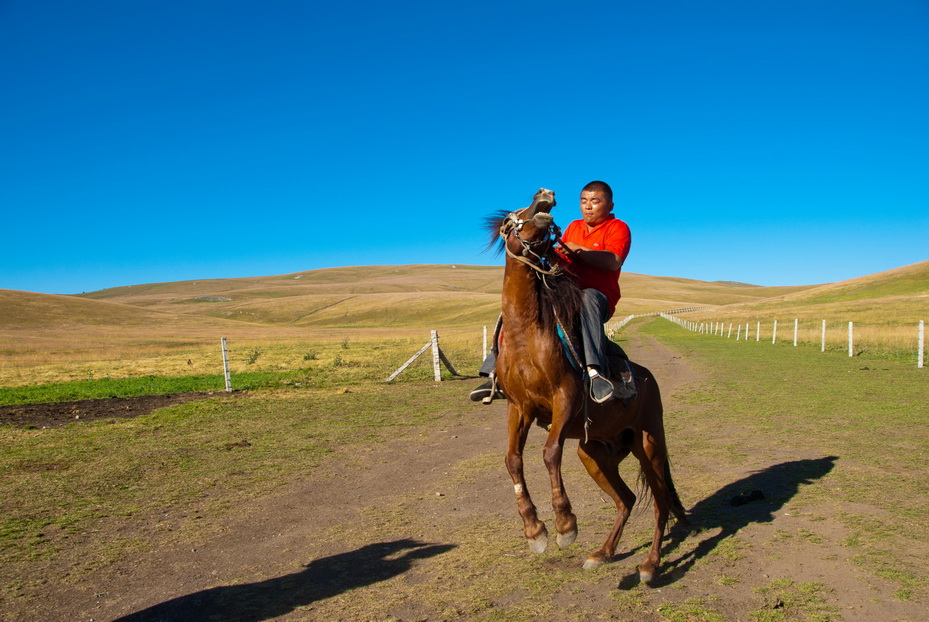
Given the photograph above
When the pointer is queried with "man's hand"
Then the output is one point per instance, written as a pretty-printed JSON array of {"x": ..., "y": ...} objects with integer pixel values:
[{"x": 602, "y": 260}]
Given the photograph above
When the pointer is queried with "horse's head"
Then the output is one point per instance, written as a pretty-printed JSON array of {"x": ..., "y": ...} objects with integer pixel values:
[{"x": 529, "y": 231}]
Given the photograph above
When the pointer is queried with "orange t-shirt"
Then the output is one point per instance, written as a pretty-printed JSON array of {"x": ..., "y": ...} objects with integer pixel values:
[{"x": 610, "y": 235}]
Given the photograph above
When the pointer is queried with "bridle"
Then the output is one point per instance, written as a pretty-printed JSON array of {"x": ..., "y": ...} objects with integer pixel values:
[{"x": 533, "y": 258}]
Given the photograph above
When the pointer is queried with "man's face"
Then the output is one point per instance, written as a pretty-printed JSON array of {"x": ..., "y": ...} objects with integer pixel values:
[{"x": 595, "y": 208}]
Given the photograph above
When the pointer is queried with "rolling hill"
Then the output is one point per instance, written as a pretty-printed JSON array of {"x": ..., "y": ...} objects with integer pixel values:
[
  {"x": 397, "y": 295},
  {"x": 418, "y": 295},
  {"x": 897, "y": 296},
  {"x": 173, "y": 328}
]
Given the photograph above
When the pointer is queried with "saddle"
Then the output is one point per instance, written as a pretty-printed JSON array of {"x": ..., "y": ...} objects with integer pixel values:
[{"x": 618, "y": 370}]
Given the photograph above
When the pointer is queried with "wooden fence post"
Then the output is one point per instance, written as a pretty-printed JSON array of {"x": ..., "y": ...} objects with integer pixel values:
[
  {"x": 437, "y": 355},
  {"x": 774, "y": 333},
  {"x": 796, "y": 327},
  {"x": 851, "y": 348},
  {"x": 758, "y": 332},
  {"x": 226, "y": 366},
  {"x": 823, "y": 349}
]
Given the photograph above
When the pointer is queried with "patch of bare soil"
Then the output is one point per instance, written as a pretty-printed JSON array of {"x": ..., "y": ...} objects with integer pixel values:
[
  {"x": 62, "y": 413},
  {"x": 414, "y": 514}
]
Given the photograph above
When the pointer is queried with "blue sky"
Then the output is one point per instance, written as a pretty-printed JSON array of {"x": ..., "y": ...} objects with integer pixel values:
[{"x": 777, "y": 143}]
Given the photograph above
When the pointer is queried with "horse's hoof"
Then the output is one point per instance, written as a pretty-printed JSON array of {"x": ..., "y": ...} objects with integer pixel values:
[
  {"x": 538, "y": 544},
  {"x": 646, "y": 576},
  {"x": 592, "y": 562},
  {"x": 565, "y": 540}
]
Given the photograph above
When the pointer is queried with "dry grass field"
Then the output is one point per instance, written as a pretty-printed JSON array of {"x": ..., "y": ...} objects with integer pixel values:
[
  {"x": 304, "y": 318},
  {"x": 174, "y": 328}
]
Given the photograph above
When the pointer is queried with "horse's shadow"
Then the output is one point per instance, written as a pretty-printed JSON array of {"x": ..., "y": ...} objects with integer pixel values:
[
  {"x": 733, "y": 507},
  {"x": 322, "y": 578}
]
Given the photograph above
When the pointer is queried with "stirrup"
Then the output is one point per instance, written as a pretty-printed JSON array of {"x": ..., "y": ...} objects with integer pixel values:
[
  {"x": 495, "y": 392},
  {"x": 487, "y": 392},
  {"x": 601, "y": 389}
]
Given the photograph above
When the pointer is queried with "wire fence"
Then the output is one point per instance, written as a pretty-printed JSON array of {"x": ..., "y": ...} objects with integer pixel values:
[{"x": 853, "y": 338}]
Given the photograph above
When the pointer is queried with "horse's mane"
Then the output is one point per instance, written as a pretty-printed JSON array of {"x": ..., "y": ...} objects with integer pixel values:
[
  {"x": 560, "y": 298},
  {"x": 492, "y": 225},
  {"x": 559, "y": 294}
]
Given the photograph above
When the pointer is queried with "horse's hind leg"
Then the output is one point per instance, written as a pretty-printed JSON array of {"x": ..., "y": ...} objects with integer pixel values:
[
  {"x": 653, "y": 458},
  {"x": 533, "y": 528},
  {"x": 603, "y": 466}
]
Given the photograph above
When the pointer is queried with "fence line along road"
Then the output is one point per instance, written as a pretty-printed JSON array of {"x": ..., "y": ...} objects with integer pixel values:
[{"x": 719, "y": 328}]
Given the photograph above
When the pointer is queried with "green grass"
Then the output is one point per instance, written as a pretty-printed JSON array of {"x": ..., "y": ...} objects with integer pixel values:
[
  {"x": 192, "y": 458},
  {"x": 786, "y": 599},
  {"x": 148, "y": 385},
  {"x": 694, "y": 610},
  {"x": 347, "y": 363},
  {"x": 871, "y": 414}
]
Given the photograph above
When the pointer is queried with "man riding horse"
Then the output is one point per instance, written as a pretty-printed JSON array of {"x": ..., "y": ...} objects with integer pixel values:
[{"x": 593, "y": 249}]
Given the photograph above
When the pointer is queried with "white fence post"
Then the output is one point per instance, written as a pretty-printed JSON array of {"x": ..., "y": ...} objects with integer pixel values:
[
  {"x": 774, "y": 333},
  {"x": 738, "y": 333},
  {"x": 922, "y": 343},
  {"x": 851, "y": 348},
  {"x": 823, "y": 349},
  {"x": 226, "y": 366},
  {"x": 758, "y": 332},
  {"x": 435, "y": 356},
  {"x": 796, "y": 327}
]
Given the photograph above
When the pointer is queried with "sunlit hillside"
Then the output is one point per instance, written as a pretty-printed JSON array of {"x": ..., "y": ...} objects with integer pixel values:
[
  {"x": 878, "y": 313},
  {"x": 174, "y": 328},
  {"x": 895, "y": 296},
  {"x": 398, "y": 296}
]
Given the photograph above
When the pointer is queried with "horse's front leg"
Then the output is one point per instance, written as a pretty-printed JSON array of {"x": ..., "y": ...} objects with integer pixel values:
[
  {"x": 552, "y": 453},
  {"x": 533, "y": 528}
]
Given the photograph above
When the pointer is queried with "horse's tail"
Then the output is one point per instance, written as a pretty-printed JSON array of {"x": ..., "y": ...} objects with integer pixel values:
[
  {"x": 675, "y": 506},
  {"x": 674, "y": 501}
]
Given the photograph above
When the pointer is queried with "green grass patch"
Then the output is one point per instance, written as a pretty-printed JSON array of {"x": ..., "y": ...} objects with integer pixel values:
[
  {"x": 778, "y": 404},
  {"x": 786, "y": 599},
  {"x": 347, "y": 363},
  {"x": 147, "y": 385},
  {"x": 693, "y": 610},
  {"x": 184, "y": 461}
]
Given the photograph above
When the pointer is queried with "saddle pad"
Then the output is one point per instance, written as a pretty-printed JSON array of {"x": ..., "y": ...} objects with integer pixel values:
[{"x": 567, "y": 350}]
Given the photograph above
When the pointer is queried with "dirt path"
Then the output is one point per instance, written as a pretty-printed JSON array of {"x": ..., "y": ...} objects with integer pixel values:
[{"x": 362, "y": 542}]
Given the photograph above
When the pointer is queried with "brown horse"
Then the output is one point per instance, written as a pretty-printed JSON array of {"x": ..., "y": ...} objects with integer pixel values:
[{"x": 543, "y": 387}]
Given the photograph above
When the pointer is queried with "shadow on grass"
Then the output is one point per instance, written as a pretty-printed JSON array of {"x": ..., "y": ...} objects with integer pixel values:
[
  {"x": 778, "y": 483},
  {"x": 322, "y": 578}
]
